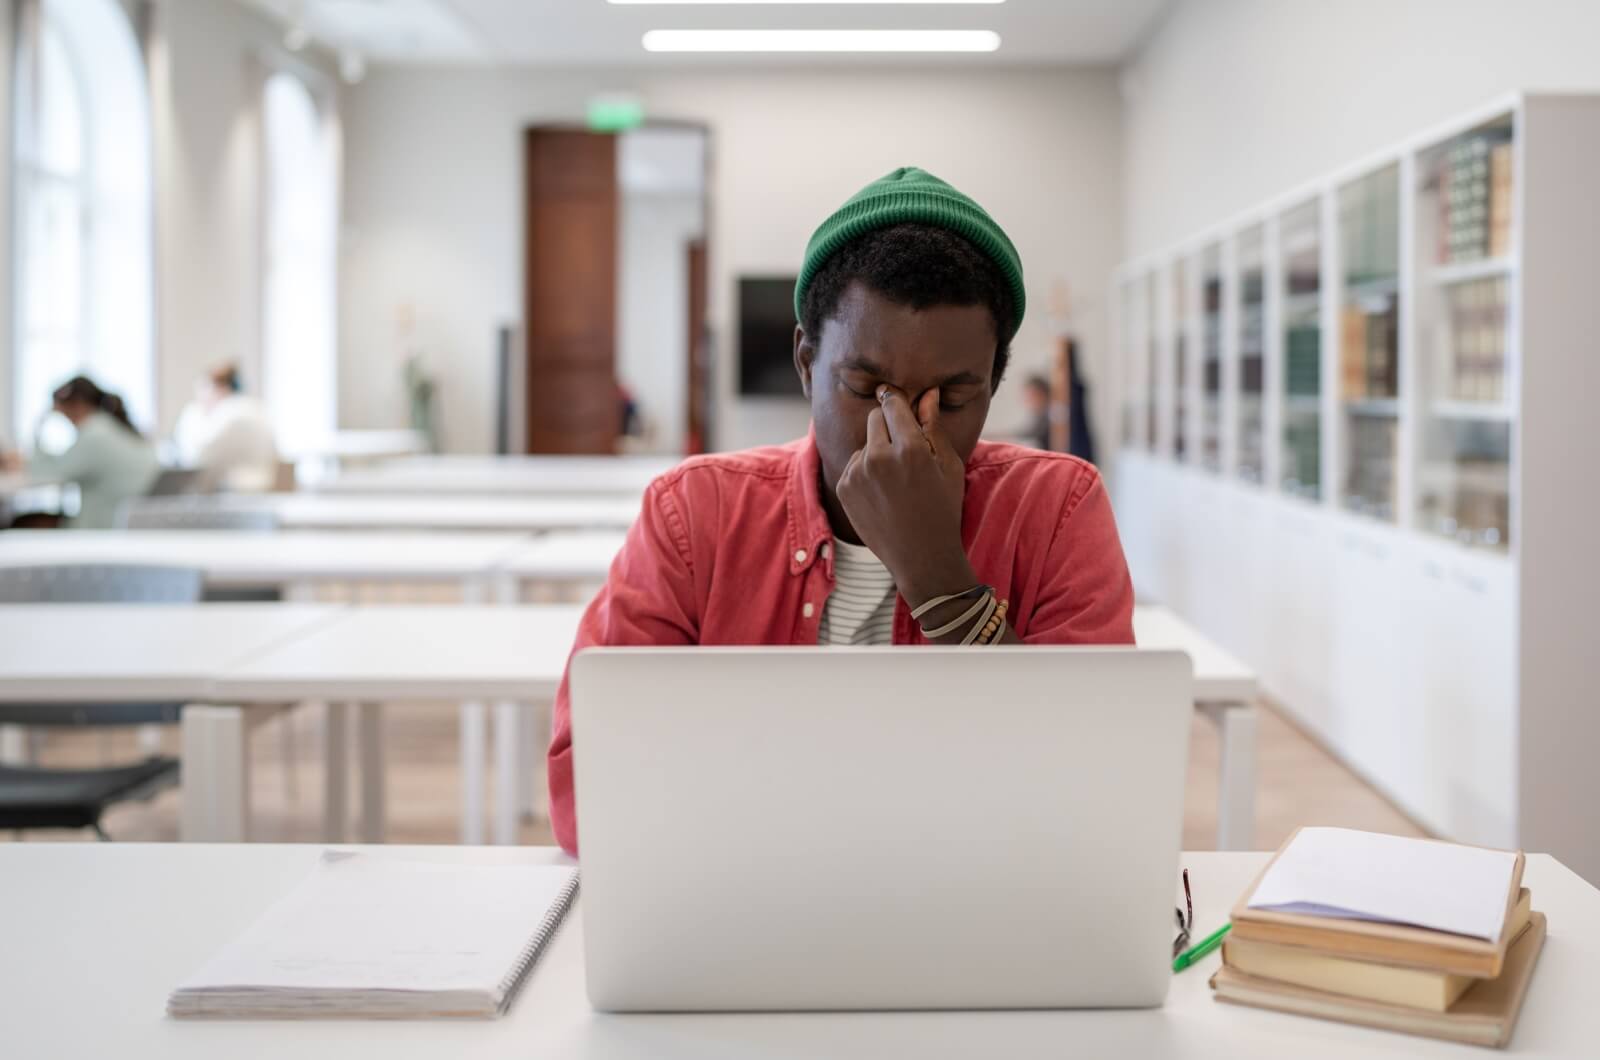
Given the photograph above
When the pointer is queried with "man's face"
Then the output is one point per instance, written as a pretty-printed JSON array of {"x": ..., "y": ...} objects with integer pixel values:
[{"x": 870, "y": 341}]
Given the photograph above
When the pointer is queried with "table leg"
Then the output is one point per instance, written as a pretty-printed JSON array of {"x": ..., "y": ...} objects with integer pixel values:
[
  {"x": 508, "y": 772},
  {"x": 216, "y": 775},
  {"x": 474, "y": 722},
  {"x": 474, "y": 725},
  {"x": 537, "y": 719},
  {"x": 1236, "y": 781},
  {"x": 335, "y": 771},
  {"x": 369, "y": 720},
  {"x": 14, "y": 746}
]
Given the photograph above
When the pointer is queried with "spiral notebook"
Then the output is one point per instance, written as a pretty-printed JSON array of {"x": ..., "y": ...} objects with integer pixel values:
[{"x": 371, "y": 936}]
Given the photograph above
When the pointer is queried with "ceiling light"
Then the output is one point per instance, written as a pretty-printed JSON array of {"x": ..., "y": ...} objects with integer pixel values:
[
  {"x": 792, "y": 2},
  {"x": 821, "y": 40},
  {"x": 296, "y": 36}
]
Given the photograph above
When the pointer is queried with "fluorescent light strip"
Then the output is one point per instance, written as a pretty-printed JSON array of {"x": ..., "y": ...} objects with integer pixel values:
[
  {"x": 832, "y": 3},
  {"x": 821, "y": 40}
]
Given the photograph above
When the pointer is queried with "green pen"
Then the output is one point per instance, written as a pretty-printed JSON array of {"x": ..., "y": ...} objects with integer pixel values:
[{"x": 1200, "y": 949}]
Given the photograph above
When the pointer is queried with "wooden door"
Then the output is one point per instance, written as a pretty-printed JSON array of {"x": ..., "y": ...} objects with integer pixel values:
[
  {"x": 570, "y": 293},
  {"x": 699, "y": 352}
]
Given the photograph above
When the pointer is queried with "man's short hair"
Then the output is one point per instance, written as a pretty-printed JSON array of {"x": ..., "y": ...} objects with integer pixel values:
[{"x": 915, "y": 265}]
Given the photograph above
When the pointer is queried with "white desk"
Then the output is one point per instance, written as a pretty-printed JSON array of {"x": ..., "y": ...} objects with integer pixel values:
[
  {"x": 97, "y": 934},
  {"x": 565, "y": 557},
  {"x": 282, "y": 558},
  {"x": 1225, "y": 691},
  {"x": 619, "y": 476},
  {"x": 514, "y": 655},
  {"x": 67, "y": 653},
  {"x": 372, "y": 444},
  {"x": 72, "y": 653},
  {"x": 445, "y": 512}
]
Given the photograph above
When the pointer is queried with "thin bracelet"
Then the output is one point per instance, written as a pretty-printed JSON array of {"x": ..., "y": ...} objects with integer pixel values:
[
  {"x": 1000, "y": 624},
  {"x": 986, "y": 631},
  {"x": 951, "y": 627},
  {"x": 929, "y": 605},
  {"x": 983, "y": 620}
]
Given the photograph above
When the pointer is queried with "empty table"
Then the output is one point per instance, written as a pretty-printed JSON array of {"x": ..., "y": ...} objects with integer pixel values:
[
  {"x": 515, "y": 655},
  {"x": 157, "y": 653},
  {"x": 624, "y": 476},
  {"x": 1225, "y": 691}
]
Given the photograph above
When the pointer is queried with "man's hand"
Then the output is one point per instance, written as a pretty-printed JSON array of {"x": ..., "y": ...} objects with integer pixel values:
[{"x": 903, "y": 492}]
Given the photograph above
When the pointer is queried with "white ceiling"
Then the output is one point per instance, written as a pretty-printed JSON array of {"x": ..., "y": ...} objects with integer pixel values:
[{"x": 594, "y": 32}]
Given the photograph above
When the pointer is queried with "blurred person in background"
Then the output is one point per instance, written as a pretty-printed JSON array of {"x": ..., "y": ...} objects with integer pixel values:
[
  {"x": 224, "y": 434},
  {"x": 1036, "y": 399},
  {"x": 109, "y": 461}
]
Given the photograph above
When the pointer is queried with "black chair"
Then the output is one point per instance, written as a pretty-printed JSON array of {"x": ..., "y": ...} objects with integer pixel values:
[{"x": 33, "y": 797}]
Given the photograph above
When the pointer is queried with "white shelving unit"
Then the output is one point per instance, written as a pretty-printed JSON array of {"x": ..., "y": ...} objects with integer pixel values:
[{"x": 1409, "y": 558}]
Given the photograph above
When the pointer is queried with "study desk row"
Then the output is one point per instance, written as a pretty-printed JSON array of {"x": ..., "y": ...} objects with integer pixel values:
[
  {"x": 487, "y": 568},
  {"x": 240, "y": 663},
  {"x": 501, "y": 476},
  {"x": 97, "y": 934}
]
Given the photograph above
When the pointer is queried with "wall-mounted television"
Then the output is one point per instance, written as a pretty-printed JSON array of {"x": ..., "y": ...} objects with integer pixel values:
[{"x": 766, "y": 337}]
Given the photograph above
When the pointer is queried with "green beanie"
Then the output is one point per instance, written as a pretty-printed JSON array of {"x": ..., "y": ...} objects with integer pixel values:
[{"x": 912, "y": 195}]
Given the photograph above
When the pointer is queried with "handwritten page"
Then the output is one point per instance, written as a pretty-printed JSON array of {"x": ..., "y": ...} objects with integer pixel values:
[{"x": 1339, "y": 872}]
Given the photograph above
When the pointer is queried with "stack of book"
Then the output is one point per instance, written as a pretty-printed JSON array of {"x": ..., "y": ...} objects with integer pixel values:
[
  {"x": 1407, "y": 935},
  {"x": 1475, "y": 197},
  {"x": 1472, "y": 349}
]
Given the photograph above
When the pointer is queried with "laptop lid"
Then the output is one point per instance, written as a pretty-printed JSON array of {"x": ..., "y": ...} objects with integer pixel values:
[{"x": 878, "y": 828}]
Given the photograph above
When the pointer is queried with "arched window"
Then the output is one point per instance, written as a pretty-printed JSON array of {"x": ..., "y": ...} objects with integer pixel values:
[
  {"x": 299, "y": 370},
  {"x": 83, "y": 263}
]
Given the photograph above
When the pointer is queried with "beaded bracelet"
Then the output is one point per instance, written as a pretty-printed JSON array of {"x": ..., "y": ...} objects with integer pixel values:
[{"x": 997, "y": 623}]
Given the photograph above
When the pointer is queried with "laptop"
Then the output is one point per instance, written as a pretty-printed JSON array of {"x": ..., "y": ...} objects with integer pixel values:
[{"x": 792, "y": 829}]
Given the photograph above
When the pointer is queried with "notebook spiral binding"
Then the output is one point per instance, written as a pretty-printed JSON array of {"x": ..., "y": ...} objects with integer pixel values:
[{"x": 512, "y": 983}]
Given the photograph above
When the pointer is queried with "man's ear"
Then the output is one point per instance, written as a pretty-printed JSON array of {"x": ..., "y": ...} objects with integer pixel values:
[{"x": 804, "y": 353}]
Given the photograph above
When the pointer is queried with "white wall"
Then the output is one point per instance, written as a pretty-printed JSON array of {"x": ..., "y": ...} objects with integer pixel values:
[
  {"x": 434, "y": 217},
  {"x": 208, "y": 61},
  {"x": 1234, "y": 101},
  {"x": 653, "y": 309}
]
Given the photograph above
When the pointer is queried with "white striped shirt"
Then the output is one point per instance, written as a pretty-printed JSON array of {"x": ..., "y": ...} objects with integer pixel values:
[{"x": 861, "y": 607}]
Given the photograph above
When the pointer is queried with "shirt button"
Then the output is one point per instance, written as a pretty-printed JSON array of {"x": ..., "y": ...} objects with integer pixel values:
[
  {"x": 808, "y": 610},
  {"x": 799, "y": 555}
]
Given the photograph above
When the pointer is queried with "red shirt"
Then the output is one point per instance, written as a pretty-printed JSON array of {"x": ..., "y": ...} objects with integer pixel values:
[{"x": 731, "y": 549}]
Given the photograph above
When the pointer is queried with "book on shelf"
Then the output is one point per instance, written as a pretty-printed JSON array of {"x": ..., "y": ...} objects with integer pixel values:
[
  {"x": 1470, "y": 354},
  {"x": 1411, "y": 935},
  {"x": 1500, "y": 202},
  {"x": 1474, "y": 183}
]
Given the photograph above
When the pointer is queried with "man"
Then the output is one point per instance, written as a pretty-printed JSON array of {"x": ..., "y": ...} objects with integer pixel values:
[
  {"x": 226, "y": 435},
  {"x": 891, "y": 522}
]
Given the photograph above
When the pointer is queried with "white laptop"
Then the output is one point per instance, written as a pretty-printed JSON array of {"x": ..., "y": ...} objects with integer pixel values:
[{"x": 879, "y": 828}]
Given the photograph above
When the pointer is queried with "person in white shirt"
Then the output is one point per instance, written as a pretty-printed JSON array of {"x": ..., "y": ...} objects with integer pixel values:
[
  {"x": 226, "y": 435},
  {"x": 109, "y": 461}
]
